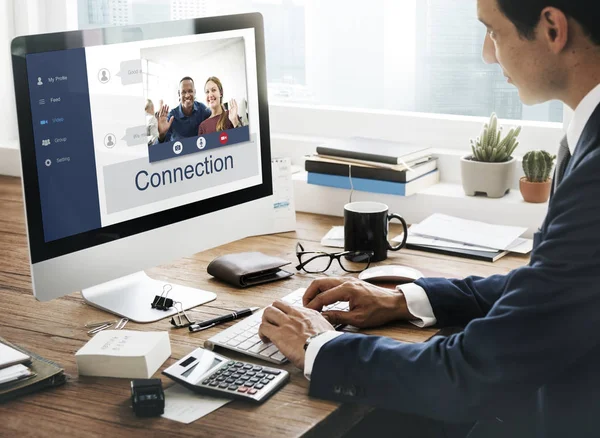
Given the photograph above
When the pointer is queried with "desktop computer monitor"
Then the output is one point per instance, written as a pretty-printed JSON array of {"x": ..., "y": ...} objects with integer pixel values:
[{"x": 114, "y": 183}]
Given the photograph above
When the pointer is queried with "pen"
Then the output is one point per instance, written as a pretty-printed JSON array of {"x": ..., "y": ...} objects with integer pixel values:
[{"x": 225, "y": 318}]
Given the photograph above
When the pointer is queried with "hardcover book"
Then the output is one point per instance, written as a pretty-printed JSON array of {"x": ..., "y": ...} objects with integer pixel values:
[
  {"x": 373, "y": 185},
  {"x": 369, "y": 149},
  {"x": 331, "y": 167}
]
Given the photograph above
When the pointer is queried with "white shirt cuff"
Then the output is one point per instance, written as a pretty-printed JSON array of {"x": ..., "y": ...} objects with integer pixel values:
[
  {"x": 313, "y": 349},
  {"x": 418, "y": 305}
]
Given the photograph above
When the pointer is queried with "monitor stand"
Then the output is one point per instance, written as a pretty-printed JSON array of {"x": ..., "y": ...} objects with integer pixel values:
[{"x": 131, "y": 297}]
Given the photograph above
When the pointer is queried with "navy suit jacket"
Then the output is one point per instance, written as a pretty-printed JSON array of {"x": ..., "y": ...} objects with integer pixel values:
[{"x": 529, "y": 356}]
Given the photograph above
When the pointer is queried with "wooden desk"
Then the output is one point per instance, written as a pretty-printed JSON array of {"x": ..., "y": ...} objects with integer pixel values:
[{"x": 100, "y": 406}]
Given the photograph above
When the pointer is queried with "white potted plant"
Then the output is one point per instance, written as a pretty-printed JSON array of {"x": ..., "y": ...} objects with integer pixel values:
[{"x": 491, "y": 167}]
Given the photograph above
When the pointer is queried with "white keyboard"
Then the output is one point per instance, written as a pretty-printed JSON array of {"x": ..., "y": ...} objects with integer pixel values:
[{"x": 243, "y": 336}]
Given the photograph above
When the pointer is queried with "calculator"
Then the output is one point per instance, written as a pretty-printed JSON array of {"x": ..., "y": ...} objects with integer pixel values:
[{"x": 206, "y": 372}]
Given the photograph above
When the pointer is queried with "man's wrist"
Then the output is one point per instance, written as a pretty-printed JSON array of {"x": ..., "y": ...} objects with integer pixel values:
[
  {"x": 310, "y": 339},
  {"x": 400, "y": 306}
]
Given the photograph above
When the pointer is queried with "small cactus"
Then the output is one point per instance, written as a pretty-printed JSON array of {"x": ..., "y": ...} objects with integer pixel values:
[
  {"x": 490, "y": 147},
  {"x": 537, "y": 166}
]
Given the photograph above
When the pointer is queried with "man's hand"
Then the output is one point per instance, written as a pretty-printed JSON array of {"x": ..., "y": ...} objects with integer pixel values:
[
  {"x": 370, "y": 305},
  {"x": 289, "y": 327},
  {"x": 163, "y": 124},
  {"x": 233, "y": 113}
]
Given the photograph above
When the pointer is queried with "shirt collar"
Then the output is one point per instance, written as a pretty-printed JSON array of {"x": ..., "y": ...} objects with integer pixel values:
[
  {"x": 180, "y": 109},
  {"x": 582, "y": 116}
]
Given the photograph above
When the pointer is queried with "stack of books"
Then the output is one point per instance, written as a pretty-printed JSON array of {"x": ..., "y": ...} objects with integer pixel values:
[
  {"x": 371, "y": 165},
  {"x": 459, "y": 237}
]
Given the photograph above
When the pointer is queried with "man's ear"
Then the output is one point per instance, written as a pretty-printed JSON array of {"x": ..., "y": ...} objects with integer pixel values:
[{"x": 554, "y": 27}]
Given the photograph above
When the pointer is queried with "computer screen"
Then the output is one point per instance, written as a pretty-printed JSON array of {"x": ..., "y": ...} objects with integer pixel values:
[{"x": 127, "y": 130}]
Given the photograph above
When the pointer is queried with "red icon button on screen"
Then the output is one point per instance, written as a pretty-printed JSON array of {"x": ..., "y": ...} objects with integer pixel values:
[{"x": 223, "y": 138}]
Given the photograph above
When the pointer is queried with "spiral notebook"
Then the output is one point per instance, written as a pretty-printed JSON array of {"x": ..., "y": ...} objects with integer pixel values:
[{"x": 45, "y": 374}]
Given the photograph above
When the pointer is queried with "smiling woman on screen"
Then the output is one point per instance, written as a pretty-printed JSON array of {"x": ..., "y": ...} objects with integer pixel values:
[{"x": 220, "y": 119}]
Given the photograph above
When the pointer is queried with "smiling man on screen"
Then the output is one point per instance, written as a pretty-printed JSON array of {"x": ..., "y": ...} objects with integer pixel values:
[{"x": 528, "y": 361}]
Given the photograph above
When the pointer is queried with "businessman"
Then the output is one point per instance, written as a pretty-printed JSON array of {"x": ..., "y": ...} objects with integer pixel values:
[
  {"x": 528, "y": 361},
  {"x": 183, "y": 121}
]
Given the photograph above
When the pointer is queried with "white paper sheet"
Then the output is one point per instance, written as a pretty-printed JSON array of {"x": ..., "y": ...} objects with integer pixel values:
[
  {"x": 475, "y": 233},
  {"x": 334, "y": 238},
  {"x": 186, "y": 406}
]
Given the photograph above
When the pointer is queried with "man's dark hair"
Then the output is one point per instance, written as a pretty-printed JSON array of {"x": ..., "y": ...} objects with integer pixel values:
[
  {"x": 525, "y": 14},
  {"x": 186, "y": 78}
]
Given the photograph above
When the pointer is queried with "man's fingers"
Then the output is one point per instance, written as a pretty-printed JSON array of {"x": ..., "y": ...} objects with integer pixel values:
[
  {"x": 330, "y": 296},
  {"x": 318, "y": 286},
  {"x": 266, "y": 329},
  {"x": 274, "y": 316},
  {"x": 170, "y": 122},
  {"x": 285, "y": 308},
  {"x": 337, "y": 317}
]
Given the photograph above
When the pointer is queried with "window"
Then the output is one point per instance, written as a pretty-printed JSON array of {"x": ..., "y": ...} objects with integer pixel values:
[{"x": 406, "y": 55}]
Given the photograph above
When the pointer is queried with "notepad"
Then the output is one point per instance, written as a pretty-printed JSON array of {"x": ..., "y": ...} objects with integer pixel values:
[{"x": 9, "y": 356}]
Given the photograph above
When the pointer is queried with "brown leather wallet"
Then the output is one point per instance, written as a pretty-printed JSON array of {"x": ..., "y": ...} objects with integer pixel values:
[{"x": 246, "y": 269}]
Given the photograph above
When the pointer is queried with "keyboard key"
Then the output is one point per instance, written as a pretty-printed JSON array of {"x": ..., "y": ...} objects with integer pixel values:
[
  {"x": 246, "y": 345},
  {"x": 241, "y": 338},
  {"x": 278, "y": 356},
  {"x": 269, "y": 351},
  {"x": 255, "y": 339},
  {"x": 233, "y": 343},
  {"x": 260, "y": 347}
]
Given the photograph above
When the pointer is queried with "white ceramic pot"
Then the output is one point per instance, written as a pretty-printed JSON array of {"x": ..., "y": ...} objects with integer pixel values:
[{"x": 490, "y": 179}]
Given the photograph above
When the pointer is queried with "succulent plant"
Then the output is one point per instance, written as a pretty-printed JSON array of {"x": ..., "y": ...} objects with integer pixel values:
[
  {"x": 490, "y": 147},
  {"x": 537, "y": 165}
]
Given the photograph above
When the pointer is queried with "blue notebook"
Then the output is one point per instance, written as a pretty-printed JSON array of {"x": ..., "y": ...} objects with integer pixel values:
[{"x": 373, "y": 185}]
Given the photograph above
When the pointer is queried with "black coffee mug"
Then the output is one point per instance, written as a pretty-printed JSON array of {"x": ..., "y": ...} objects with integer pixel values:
[{"x": 366, "y": 229}]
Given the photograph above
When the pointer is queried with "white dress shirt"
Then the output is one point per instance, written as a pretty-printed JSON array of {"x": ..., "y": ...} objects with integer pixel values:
[{"x": 416, "y": 299}]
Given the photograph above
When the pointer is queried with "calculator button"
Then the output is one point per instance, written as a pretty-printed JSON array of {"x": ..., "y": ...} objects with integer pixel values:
[
  {"x": 270, "y": 377},
  {"x": 250, "y": 373},
  {"x": 244, "y": 378},
  {"x": 223, "y": 385},
  {"x": 252, "y": 391},
  {"x": 230, "y": 380},
  {"x": 236, "y": 376},
  {"x": 257, "y": 368},
  {"x": 254, "y": 380},
  {"x": 239, "y": 382},
  {"x": 247, "y": 367},
  {"x": 213, "y": 383},
  {"x": 242, "y": 389},
  {"x": 232, "y": 388},
  {"x": 239, "y": 364},
  {"x": 221, "y": 378},
  {"x": 259, "y": 386},
  {"x": 206, "y": 382},
  {"x": 260, "y": 375},
  {"x": 265, "y": 381},
  {"x": 227, "y": 374},
  {"x": 271, "y": 371}
]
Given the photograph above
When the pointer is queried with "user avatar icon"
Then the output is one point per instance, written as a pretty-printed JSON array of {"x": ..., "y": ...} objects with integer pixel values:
[
  {"x": 104, "y": 75},
  {"x": 201, "y": 143},
  {"x": 39, "y": 82},
  {"x": 109, "y": 141}
]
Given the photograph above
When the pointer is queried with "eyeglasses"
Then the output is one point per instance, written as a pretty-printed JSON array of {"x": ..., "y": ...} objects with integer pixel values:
[{"x": 319, "y": 261}]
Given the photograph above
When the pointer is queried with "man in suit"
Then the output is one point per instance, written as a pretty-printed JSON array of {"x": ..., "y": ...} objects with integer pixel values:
[{"x": 527, "y": 363}]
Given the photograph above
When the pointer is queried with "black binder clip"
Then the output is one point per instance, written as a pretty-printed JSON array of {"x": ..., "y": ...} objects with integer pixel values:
[
  {"x": 161, "y": 302},
  {"x": 179, "y": 322}
]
